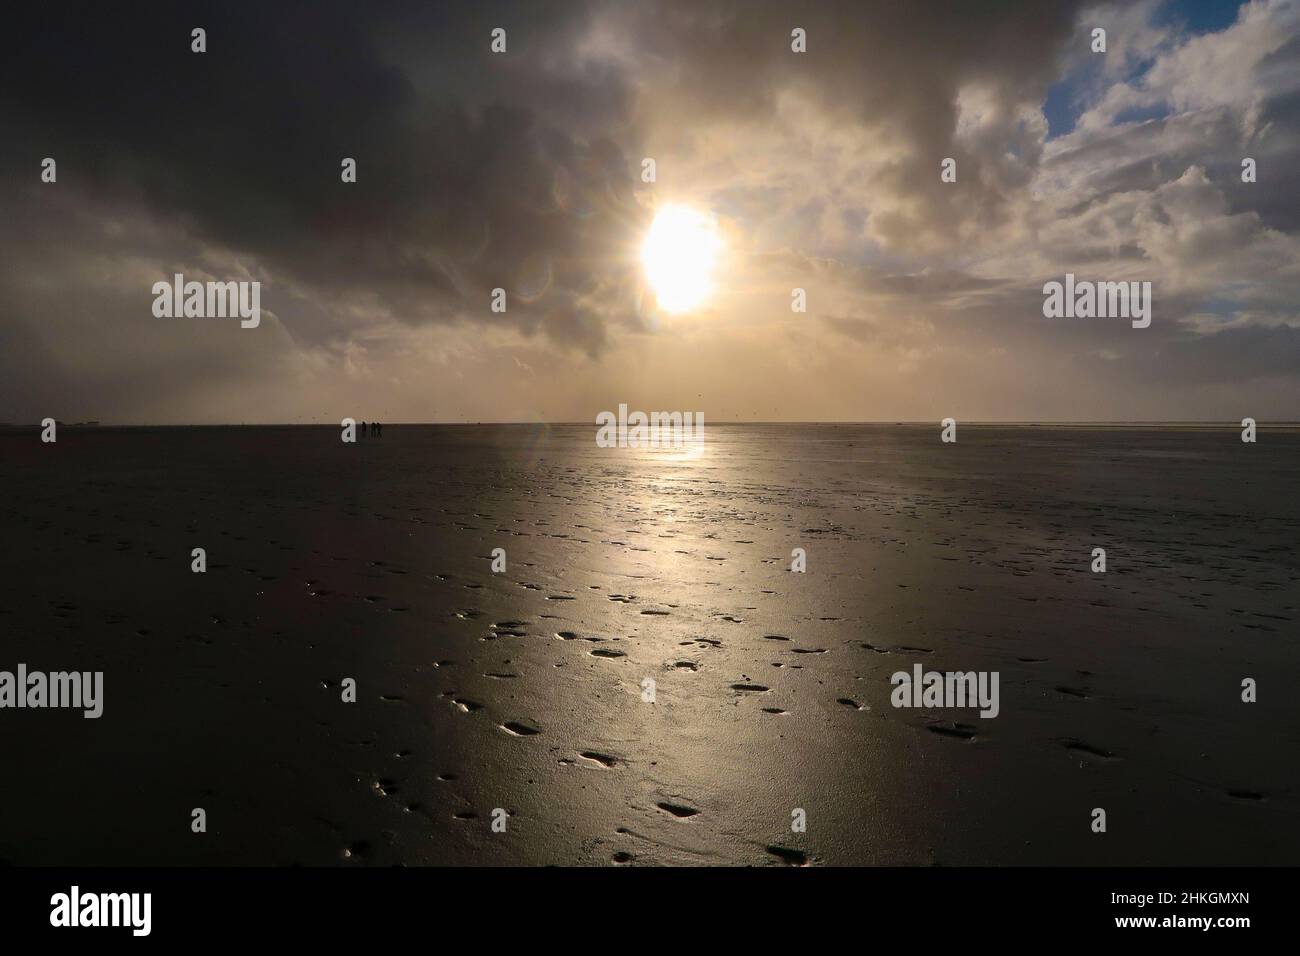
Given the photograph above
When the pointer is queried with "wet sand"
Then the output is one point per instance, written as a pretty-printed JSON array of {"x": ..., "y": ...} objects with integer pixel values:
[{"x": 523, "y": 690}]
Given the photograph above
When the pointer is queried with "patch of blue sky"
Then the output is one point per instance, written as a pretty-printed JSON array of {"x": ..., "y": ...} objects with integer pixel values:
[{"x": 1068, "y": 98}]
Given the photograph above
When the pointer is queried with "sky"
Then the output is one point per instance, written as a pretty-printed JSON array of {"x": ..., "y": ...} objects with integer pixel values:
[{"x": 523, "y": 170}]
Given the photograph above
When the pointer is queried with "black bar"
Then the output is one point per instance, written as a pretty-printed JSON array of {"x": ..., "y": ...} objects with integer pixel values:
[{"x": 381, "y": 907}]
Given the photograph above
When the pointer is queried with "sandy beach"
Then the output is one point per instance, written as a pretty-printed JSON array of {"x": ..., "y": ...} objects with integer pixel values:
[{"x": 524, "y": 691}]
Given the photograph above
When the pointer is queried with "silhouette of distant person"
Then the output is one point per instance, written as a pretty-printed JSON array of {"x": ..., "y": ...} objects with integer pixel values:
[
  {"x": 379, "y": 430},
  {"x": 363, "y": 429}
]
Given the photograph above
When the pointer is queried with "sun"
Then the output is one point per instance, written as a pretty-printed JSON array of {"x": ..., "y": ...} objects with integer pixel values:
[{"x": 679, "y": 254}]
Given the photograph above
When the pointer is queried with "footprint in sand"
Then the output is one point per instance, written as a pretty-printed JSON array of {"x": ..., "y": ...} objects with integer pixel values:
[
  {"x": 960, "y": 731},
  {"x": 789, "y": 856},
  {"x": 520, "y": 730},
  {"x": 1089, "y": 749}
]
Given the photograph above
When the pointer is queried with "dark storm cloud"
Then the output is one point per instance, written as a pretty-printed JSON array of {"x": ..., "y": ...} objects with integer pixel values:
[{"x": 244, "y": 144}]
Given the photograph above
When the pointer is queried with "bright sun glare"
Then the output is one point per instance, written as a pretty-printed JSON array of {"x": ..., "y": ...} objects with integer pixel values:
[{"x": 679, "y": 254}]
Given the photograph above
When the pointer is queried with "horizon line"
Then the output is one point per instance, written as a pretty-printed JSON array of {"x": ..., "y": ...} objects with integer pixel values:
[{"x": 95, "y": 423}]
